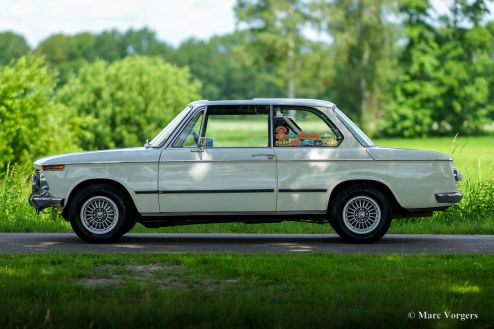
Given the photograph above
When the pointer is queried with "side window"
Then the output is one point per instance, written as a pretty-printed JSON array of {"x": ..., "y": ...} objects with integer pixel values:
[
  {"x": 190, "y": 134},
  {"x": 237, "y": 126},
  {"x": 302, "y": 127}
]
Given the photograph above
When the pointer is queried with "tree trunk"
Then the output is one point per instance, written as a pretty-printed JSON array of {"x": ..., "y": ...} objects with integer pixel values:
[{"x": 291, "y": 67}]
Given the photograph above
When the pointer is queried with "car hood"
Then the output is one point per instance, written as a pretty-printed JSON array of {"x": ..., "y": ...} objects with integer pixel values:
[
  {"x": 395, "y": 154},
  {"x": 137, "y": 154}
]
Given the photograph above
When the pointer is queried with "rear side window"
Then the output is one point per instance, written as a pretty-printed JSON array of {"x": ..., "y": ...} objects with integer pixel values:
[{"x": 303, "y": 127}]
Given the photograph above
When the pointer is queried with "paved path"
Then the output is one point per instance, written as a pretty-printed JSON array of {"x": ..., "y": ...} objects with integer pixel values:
[{"x": 247, "y": 243}]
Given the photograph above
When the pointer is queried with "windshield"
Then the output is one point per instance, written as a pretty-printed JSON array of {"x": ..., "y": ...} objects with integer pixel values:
[
  {"x": 165, "y": 133},
  {"x": 359, "y": 134}
]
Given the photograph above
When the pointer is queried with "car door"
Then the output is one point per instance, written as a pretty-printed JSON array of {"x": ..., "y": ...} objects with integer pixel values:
[
  {"x": 306, "y": 142},
  {"x": 235, "y": 173}
]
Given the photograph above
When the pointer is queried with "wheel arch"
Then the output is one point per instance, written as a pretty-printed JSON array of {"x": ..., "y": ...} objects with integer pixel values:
[
  {"x": 89, "y": 182},
  {"x": 396, "y": 207}
]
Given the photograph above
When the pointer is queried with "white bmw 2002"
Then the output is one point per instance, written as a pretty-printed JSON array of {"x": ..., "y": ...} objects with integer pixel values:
[{"x": 253, "y": 161}]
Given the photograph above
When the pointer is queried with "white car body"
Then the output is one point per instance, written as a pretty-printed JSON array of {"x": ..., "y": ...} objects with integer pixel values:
[{"x": 167, "y": 183}]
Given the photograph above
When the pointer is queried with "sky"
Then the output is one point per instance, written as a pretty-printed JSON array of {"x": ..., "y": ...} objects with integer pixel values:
[{"x": 173, "y": 21}]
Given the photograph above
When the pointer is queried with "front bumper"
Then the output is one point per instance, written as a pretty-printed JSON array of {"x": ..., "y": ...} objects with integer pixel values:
[
  {"x": 452, "y": 197},
  {"x": 41, "y": 202}
]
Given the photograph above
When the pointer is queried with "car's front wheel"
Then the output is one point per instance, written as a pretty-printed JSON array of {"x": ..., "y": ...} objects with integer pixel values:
[
  {"x": 100, "y": 213},
  {"x": 360, "y": 214}
]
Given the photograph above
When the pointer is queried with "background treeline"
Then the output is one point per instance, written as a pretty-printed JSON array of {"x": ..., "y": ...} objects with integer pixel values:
[{"x": 396, "y": 67}]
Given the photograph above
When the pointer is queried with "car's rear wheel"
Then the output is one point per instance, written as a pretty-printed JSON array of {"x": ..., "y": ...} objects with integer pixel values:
[
  {"x": 360, "y": 214},
  {"x": 100, "y": 213}
]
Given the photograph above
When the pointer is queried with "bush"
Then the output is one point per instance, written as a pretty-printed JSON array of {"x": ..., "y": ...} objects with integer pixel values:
[
  {"x": 32, "y": 123},
  {"x": 129, "y": 100}
]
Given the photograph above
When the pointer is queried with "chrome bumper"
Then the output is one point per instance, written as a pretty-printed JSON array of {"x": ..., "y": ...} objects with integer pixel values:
[
  {"x": 452, "y": 197},
  {"x": 41, "y": 202}
]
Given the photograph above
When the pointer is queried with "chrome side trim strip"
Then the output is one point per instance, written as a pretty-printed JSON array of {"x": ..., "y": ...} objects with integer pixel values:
[
  {"x": 300, "y": 190},
  {"x": 204, "y": 191},
  {"x": 216, "y": 191},
  {"x": 234, "y": 213},
  {"x": 113, "y": 162}
]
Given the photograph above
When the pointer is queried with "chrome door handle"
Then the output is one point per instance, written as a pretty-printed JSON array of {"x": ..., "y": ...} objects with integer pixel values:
[{"x": 269, "y": 156}]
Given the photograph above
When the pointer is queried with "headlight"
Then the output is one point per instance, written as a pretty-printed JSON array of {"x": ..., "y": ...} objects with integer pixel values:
[
  {"x": 43, "y": 184},
  {"x": 39, "y": 183},
  {"x": 458, "y": 176},
  {"x": 35, "y": 183}
]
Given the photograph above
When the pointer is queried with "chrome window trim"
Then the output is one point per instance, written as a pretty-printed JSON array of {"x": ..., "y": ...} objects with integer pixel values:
[
  {"x": 352, "y": 131},
  {"x": 187, "y": 120},
  {"x": 190, "y": 108},
  {"x": 174, "y": 135}
]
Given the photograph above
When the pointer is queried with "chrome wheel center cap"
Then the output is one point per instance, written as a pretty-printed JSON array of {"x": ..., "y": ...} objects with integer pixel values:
[{"x": 100, "y": 214}]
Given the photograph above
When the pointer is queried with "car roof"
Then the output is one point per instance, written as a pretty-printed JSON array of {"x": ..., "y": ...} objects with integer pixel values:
[{"x": 266, "y": 101}]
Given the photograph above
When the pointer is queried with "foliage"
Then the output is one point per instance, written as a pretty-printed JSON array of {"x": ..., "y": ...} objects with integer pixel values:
[
  {"x": 128, "y": 100},
  {"x": 447, "y": 80},
  {"x": 32, "y": 122},
  {"x": 277, "y": 29},
  {"x": 15, "y": 212},
  {"x": 68, "y": 53},
  {"x": 362, "y": 53},
  {"x": 12, "y": 46}
]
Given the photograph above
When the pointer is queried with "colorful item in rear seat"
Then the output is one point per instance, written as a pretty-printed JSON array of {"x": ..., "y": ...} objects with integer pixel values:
[
  {"x": 317, "y": 142},
  {"x": 303, "y": 136},
  {"x": 280, "y": 136},
  {"x": 280, "y": 129},
  {"x": 307, "y": 142},
  {"x": 281, "y": 142},
  {"x": 295, "y": 142},
  {"x": 314, "y": 136},
  {"x": 292, "y": 136}
]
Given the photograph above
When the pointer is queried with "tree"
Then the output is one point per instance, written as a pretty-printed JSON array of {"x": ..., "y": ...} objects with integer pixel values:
[
  {"x": 12, "y": 46},
  {"x": 32, "y": 122},
  {"x": 142, "y": 42},
  {"x": 465, "y": 61},
  {"x": 416, "y": 92},
  {"x": 446, "y": 82},
  {"x": 68, "y": 53},
  {"x": 225, "y": 65},
  {"x": 277, "y": 28},
  {"x": 128, "y": 100},
  {"x": 362, "y": 52}
]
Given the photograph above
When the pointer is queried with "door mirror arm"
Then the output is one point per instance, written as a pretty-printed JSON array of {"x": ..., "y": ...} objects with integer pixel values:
[{"x": 202, "y": 144}]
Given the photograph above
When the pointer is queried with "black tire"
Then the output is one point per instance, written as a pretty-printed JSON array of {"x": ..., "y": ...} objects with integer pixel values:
[
  {"x": 355, "y": 201},
  {"x": 105, "y": 197}
]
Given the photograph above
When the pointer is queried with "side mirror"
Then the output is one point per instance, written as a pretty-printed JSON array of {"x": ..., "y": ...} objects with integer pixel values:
[{"x": 202, "y": 143}]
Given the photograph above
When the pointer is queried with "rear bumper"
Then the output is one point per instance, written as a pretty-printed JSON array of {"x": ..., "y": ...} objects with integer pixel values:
[
  {"x": 41, "y": 202},
  {"x": 451, "y": 197}
]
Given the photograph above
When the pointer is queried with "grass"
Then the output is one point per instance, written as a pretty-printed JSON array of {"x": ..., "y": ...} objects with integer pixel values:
[
  {"x": 474, "y": 215},
  {"x": 243, "y": 291}
]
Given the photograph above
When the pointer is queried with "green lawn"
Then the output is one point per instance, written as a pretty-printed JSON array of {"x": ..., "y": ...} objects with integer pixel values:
[{"x": 243, "y": 291}]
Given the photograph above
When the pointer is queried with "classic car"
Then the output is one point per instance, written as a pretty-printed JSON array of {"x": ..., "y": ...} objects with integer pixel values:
[{"x": 251, "y": 161}]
